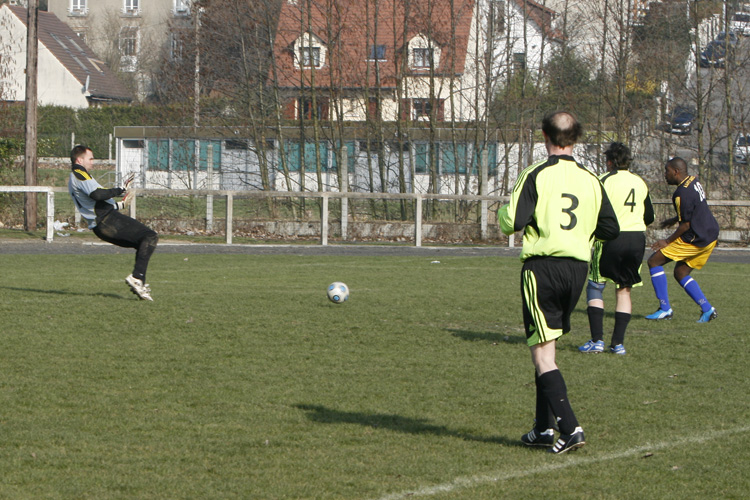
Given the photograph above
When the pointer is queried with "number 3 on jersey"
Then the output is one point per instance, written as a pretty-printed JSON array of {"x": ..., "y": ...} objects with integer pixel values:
[{"x": 569, "y": 211}]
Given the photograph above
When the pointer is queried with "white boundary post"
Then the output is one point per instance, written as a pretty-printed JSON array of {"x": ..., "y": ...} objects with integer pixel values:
[
  {"x": 418, "y": 222},
  {"x": 209, "y": 212},
  {"x": 324, "y": 221},
  {"x": 230, "y": 214},
  {"x": 344, "y": 174},
  {"x": 133, "y": 203},
  {"x": 484, "y": 167},
  {"x": 210, "y": 176},
  {"x": 50, "y": 216}
]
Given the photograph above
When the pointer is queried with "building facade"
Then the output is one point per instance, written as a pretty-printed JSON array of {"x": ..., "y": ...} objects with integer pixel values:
[
  {"x": 69, "y": 72},
  {"x": 132, "y": 36},
  {"x": 390, "y": 60}
]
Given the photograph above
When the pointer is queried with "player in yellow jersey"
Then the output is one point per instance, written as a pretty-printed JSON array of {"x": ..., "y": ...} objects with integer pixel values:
[
  {"x": 559, "y": 206},
  {"x": 618, "y": 260}
]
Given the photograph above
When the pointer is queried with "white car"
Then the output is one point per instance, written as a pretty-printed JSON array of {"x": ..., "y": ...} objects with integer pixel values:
[
  {"x": 742, "y": 148},
  {"x": 740, "y": 23}
]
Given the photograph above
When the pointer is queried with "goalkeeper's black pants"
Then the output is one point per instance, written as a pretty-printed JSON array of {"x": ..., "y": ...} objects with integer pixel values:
[{"x": 123, "y": 231}]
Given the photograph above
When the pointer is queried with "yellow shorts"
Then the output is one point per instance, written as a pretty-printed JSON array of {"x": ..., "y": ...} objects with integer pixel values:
[{"x": 693, "y": 256}]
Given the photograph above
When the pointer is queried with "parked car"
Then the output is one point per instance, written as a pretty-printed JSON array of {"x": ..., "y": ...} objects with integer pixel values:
[
  {"x": 715, "y": 53},
  {"x": 680, "y": 120},
  {"x": 742, "y": 148},
  {"x": 740, "y": 23},
  {"x": 729, "y": 36}
]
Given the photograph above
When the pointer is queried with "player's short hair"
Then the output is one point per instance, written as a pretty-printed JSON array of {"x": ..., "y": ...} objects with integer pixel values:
[
  {"x": 77, "y": 152},
  {"x": 618, "y": 154},
  {"x": 678, "y": 164},
  {"x": 562, "y": 128}
]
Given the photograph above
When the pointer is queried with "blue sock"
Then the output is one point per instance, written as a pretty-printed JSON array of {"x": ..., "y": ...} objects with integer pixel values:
[
  {"x": 659, "y": 280},
  {"x": 694, "y": 290}
]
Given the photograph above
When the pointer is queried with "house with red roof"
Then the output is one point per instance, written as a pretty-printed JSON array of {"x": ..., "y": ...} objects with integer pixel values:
[{"x": 412, "y": 60}]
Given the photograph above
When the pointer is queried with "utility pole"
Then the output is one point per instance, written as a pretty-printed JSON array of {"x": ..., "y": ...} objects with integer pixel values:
[
  {"x": 197, "y": 73},
  {"x": 30, "y": 159}
]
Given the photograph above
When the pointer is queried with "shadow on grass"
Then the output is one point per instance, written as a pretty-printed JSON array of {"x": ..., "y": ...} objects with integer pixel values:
[
  {"x": 323, "y": 415},
  {"x": 491, "y": 337},
  {"x": 61, "y": 292}
]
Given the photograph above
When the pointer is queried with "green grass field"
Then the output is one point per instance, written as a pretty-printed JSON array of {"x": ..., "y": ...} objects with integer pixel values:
[{"x": 242, "y": 381}]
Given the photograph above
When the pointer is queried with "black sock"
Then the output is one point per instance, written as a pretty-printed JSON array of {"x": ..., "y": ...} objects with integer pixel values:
[
  {"x": 556, "y": 393},
  {"x": 596, "y": 322},
  {"x": 544, "y": 417},
  {"x": 621, "y": 324}
]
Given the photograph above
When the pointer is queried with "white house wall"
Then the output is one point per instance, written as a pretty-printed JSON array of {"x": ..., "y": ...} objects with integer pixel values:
[
  {"x": 521, "y": 35},
  {"x": 55, "y": 84},
  {"x": 13, "y": 51},
  {"x": 585, "y": 27}
]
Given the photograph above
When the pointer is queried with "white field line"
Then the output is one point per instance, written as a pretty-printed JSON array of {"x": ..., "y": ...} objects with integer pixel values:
[{"x": 470, "y": 481}]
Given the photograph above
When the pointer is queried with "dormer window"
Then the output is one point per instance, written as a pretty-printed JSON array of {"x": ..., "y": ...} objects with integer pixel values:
[
  {"x": 422, "y": 58},
  {"x": 423, "y": 53},
  {"x": 308, "y": 52},
  {"x": 310, "y": 57},
  {"x": 377, "y": 53}
]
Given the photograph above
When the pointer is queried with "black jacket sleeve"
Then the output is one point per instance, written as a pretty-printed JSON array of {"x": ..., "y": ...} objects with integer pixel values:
[
  {"x": 648, "y": 212},
  {"x": 607, "y": 227},
  {"x": 101, "y": 194}
]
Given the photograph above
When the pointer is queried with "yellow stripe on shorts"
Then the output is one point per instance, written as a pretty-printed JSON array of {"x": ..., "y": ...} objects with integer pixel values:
[{"x": 542, "y": 331}]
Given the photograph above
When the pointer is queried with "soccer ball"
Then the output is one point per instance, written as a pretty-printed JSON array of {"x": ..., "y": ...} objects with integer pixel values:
[{"x": 338, "y": 292}]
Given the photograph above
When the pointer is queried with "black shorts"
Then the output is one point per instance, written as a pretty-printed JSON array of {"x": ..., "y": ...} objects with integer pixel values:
[
  {"x": 121, "y": 230},
  {"x": 550, "y": 289},
  {"x": 620, "y": 259}
]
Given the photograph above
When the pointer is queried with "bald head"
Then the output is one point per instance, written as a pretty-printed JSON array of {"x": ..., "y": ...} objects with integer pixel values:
[{"x": 562, "y": 129}]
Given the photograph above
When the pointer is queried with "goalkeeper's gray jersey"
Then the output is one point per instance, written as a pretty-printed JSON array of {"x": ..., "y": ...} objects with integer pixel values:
[{"x": 80, "y": 186}]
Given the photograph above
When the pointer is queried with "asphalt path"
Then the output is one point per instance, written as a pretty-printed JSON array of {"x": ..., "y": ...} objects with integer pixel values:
[{"x": 77, "y": 246}]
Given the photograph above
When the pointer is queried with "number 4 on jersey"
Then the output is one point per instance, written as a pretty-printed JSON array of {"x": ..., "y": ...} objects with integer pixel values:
[{"x": 630, "y": 200}]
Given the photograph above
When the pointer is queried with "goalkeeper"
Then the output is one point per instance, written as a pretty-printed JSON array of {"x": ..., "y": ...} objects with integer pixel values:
[{"x": 103, "y": 216}]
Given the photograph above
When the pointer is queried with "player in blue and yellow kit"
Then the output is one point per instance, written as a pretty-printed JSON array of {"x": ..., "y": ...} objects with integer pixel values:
[
  {"x": 689, "y": 246},
  {"x": 560, "y": 206},
  {"x": 618, "y": 260}
]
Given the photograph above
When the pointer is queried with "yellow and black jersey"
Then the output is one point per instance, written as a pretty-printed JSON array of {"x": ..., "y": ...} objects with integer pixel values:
[
  {"x": 561, "y": 207},
  {"x": 630, "y": 199}
]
